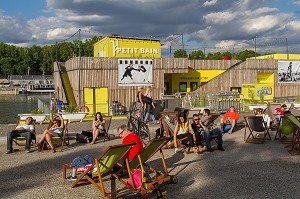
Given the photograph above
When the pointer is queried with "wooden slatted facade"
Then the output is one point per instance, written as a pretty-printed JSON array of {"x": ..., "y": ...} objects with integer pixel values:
[{"x": 103, "y": 72}]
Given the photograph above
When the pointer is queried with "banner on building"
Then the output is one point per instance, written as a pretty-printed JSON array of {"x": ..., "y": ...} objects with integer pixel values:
[
  {"x": 135, "y": 72},
  {"x": 288, "y": 71}
]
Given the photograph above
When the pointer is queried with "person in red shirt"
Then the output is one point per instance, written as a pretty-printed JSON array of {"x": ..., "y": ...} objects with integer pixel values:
[
  {"x": 278, "y": 113},
  {"x": 128, "y": 137},
  {"x": 231, "y": 118}
]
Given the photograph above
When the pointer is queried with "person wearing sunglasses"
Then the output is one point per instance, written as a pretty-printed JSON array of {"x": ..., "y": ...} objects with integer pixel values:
[
  {"x": 55, "y": 130},
  {"x": 128, "y": 137},
  {"x": 199, "y": 126}
]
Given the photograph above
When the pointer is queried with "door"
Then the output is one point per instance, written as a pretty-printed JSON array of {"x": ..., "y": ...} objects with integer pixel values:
[
  {"x": 182, "y": 86},
  {"x": 96, "y": 99},
  {"x": 101, "y": 100}
]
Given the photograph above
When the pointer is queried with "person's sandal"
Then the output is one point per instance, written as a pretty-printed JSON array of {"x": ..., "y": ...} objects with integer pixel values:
[
  {"x": 196, "y": 150},
  {"x": 53, "y": 150}
]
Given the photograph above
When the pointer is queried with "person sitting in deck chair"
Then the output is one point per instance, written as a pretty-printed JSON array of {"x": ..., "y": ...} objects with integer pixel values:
[
  {"x": 278, "y": 113},
  {"x": 230, "y": 119},
  {"x": 127, "y": 136},
  {"x": 184, "y": 129},
  {"x": 26, "y": 130},
  {"x": 200, "y": 125}
]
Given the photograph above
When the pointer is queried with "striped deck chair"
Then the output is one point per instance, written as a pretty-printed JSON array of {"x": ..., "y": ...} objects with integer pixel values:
[
  {"x": 140, "y": 161},
  {"x": 102, "y": 167}
]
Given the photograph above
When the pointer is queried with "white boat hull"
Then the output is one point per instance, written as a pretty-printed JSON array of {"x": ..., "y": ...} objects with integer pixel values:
[
  {"x": 74, "y": 116},
  {"x": 39, "y": 118}
]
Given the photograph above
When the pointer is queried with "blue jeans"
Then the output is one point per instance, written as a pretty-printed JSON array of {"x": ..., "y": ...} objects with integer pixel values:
[
  {"x": 213, "y": 132},
  {"x": 14, "y": 134},
  {"x": 147, "y": 115}
]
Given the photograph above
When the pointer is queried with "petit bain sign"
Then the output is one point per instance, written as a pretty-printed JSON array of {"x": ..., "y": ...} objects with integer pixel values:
[{"x": 132, "y": 48}]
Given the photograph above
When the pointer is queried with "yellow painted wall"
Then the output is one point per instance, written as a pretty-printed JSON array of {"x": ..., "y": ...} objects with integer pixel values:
[
  {"x": 279, "y": 56},
  {"x": 252, "y": 91},
  {"x": 127, "y": 47},
  {"x": 199, "y": 76},
  {"x": 265, "y": 77},
  {"x": 207, "y": 75}
]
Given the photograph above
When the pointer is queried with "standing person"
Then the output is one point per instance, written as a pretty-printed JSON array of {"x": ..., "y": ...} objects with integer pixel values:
[
  {"x": 98, "y": 126},
  {"x": 55, "y": 130},
  {"x": 230, "y": 118},
  {"x": 184, "y": 129},
  {"x": 139, "y": 99},
  {"x": 149, "y": 109},
  {"x": 26, "y": 130},
  {"x": 128, "y": 137}
]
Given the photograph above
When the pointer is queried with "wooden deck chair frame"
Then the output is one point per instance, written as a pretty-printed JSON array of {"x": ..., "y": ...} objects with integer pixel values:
[
  {"x": 270, "y": 110},
  {"x": 285, "y": 128},
  {"x": 190, "y": 113},
  {"x": 60, "y": 141},
  {"x": 296, "y": 135},
  {"x": 104, "y": 164},
  {"x": 106, "y": 127},
  {"x": 255, "y": 124},
  {"x": 140, "y": 161},
  {"x": 169, "y": 128},
  {"x": 210, "y": 125},
  {"x": 20, "y": 140}
]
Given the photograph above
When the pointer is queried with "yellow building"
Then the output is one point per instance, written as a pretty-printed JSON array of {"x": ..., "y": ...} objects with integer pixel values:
[
  {"x": 279, "y": 57},
  {"x": 126, "y": 47}
]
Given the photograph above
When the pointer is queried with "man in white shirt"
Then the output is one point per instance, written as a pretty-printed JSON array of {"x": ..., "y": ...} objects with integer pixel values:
[{"x": 25, "y": 130}]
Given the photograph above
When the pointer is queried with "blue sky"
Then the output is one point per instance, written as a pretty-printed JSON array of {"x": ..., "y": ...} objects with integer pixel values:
[{"x": 217, "y": 25}]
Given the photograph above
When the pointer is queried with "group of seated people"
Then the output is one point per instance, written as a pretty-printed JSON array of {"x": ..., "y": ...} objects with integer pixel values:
[
  {"x": 196, "y": 132},
  {"x": 55, "y": 129}
]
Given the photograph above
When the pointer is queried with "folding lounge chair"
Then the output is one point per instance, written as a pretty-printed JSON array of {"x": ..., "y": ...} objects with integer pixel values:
[
  {"x": 20, "y": 141},
  {"x": 59, "y": 141},
  {"x": 210, "y": 125},
  {"x": 140, "y": 161},
  {"x": 192, "y": 112},
  {"x": 255, "y": 124},
  {"x": 169, "y": 127},
  {"x": 106, "y": 128},
  {"x": 284, "y": 129},
  {"x": 295, "y": 144},
  {"x": 102, "y": 167},
  {"x": 270, "y": 110}
]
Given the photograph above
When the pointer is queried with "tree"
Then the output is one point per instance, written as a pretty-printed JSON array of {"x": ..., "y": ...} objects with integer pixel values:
[
  {"x": 243, "y": 55},
  {"x": 180, "y": 54},
  {"x": 198, "y": 54}
]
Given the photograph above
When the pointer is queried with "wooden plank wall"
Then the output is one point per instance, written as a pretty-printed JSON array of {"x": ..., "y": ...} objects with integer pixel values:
[
  {"x": 246, "y": 73},
  {"x": 103, "y": 72}
]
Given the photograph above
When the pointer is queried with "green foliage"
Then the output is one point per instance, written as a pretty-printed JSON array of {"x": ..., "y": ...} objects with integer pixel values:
[
  {"x": 246, "y": 54},
  {"x": 39, "y": 60},
  {"x": 71, "y": 108},
  {"x": 180, "y": 54},
  {"x": 37, "y": 111},
  {"x": 297, "y": 99},
  {"x": 261, "y": 96},
  {"x": 198, "y": 54}
]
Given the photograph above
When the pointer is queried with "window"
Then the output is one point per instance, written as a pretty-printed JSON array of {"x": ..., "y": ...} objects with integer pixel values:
[
  {"x": 126, "y": 62},
  {"x": 136, "y": 62},
  {"x": 141, "y": 62},
  {"x": 182, "y": 86},
  {"x": 193, "y": 86},
  {"x": 120, "y": 62},
  {"x": 146, "y": 62}
]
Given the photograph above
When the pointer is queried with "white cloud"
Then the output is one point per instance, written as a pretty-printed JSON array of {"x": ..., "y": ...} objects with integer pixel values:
[
  {"x": 296, "y": 2},
  {"x": 219, "y": 17},
  {"x": 210, "y": 3}
]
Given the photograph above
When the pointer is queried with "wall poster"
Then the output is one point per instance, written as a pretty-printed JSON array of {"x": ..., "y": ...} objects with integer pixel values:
[
  {"x": 288, "y": 71},
  {"x": 135, "y": 72}
]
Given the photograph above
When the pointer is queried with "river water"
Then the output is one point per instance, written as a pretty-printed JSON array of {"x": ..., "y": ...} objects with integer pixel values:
[{"x": 12, "y": 105}]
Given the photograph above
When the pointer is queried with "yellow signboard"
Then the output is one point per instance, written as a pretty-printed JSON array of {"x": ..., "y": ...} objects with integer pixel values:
[
  {"x": 258, "y": 92},
  {"x": 127, "y": 47}
]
